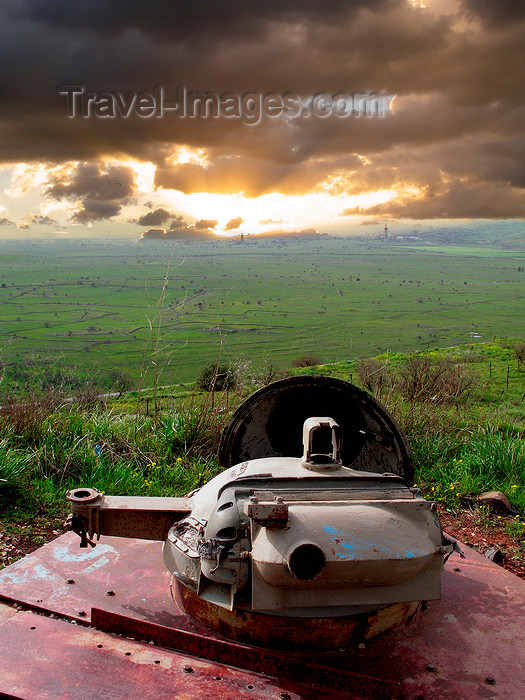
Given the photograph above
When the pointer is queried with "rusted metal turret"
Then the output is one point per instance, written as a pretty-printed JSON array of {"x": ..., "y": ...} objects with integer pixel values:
[{"x": 326, "y": 534}]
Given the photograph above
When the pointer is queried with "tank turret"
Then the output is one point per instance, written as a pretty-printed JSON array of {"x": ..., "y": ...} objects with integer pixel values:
[{"x": 333, "y": 532}]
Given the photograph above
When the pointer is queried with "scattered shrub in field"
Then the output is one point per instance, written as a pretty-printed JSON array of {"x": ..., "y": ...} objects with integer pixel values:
[
  {"x": 519, "y": 351},
  {"x": 119, "y": 382},
  {"x": 424, "y": 378},
  {"x": 87, "y": 396},
  {"x": 270, "y": 372},
  {"x": 215, "y": 377},
  {"x": 58, "y": 380},
  {"x": 374, "y": 376},
  {"x": 307, "y": 361}
]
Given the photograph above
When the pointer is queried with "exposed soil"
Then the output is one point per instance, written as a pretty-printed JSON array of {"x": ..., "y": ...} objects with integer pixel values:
[
  {"x": 478, "y": 530},
  {"x": 484, "y": 532},
  {"x": 20, "y": 538}
]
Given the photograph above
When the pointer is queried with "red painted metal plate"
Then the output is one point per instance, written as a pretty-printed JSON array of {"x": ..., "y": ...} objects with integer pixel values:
[
  {"x": 475, "y": 633},
  {"x": 469, "y": 644},
  {"x": 45, "y": 658},
  {"x": 61, "y": 578}
]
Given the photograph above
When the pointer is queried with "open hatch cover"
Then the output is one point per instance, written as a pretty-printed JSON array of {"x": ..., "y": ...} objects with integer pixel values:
[{"x": 270, "y": 424}]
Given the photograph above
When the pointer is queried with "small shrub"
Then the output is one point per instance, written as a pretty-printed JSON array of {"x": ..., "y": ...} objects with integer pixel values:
[
  {"x": 374, "y": 376},
  {"x": 307, "y": 361},
  {"x": 215, "y": 377},
  {"x": 270, "y": 372},
  {"x": 519, "y": 351},
  {"x": 119, "y": 382},
  {"x": 424, "y": 378}
]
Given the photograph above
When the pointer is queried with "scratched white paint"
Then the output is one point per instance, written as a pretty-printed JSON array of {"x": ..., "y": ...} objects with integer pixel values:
[
  {"x": 63, "y": 553},
  {"x": 99, "y": 563},
  {"x": 14, "y": 576},
  {"x": 40, "y": 573}
]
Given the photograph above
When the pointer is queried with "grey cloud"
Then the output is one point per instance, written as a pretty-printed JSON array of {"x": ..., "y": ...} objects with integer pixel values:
[
  {"x": 95, "y": 210},
  {"x": 42, "y": 220},
  {"x": 154, "y": 218},
  {"x": 205, "y": 223},
  {"x": 101, "y": 191},
  {"x": 454, "y": 200},
  {"x": 178, "y": 223},
  {"x": 496, "y": 13}
]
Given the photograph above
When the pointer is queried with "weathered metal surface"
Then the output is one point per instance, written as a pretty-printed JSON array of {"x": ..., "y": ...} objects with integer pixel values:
[
  {"x": 63, "y": 579},
  {"x": 46, "y": 659},
  {"x": 278, "y": 632},
  {"x": 474, "y": 632},
  {"x": 257, "y": 659},
  {"x": 308, "y": 536},
  {"x": 150, "y": 518},
  {"x": 270, "y": 424},
  {"x": 271, "y": 514},
  {"x": 315, "y": 433}
]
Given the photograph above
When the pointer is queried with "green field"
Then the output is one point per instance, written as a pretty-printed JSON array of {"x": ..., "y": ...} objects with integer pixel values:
[{"x": 159, "y": 311}]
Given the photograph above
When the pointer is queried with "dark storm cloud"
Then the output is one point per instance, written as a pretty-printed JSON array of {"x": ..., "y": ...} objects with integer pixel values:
[
  {"x": 496, "y": 13},
  {"x": 154, "y": 218},
  {"x": 172, "y": 19},
  {"x": 456, "y": 67},
  {"x": 99, "y": 191},
  {"x": 457, "y": 200}
]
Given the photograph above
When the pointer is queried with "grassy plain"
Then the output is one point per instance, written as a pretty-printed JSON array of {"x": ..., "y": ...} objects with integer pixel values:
[{"x": 159, "y": 311}]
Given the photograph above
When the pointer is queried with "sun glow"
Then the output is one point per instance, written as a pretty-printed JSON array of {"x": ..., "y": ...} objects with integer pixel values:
[
  {"x": 144, "y": 174},
  {"x": 272, "y": 211},
  {"x": 268, "y": 212}
]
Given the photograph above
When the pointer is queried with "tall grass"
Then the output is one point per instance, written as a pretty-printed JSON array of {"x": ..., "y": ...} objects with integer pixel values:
[
  {"x": 44, "y": 454},
  {"x": 455, "y": 466}
]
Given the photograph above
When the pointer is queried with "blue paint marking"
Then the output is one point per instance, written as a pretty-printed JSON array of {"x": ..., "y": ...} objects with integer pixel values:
[{"x": 354, "y": 545}]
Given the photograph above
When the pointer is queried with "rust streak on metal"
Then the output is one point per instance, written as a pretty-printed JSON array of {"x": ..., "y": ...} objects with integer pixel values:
[
  {"x": 290, "y": 633},
  {"x": 269, "y": 663},
  {"x": 48, "y": 658}
]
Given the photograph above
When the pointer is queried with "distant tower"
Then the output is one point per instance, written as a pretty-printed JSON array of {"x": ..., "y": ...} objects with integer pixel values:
[{"x": 385, "y": 230}]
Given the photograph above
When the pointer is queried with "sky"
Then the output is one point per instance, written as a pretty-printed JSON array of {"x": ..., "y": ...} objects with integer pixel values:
[{"x": 333, "y": 116}]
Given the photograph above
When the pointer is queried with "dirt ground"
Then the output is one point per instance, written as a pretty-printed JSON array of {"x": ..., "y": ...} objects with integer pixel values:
[
  {"x": 480, "y": 531},
  {"x": 484, "y": 532}
]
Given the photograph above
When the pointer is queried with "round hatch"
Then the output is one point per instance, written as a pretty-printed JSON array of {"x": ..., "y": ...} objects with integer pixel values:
[{"x": 270, "y": 424}]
